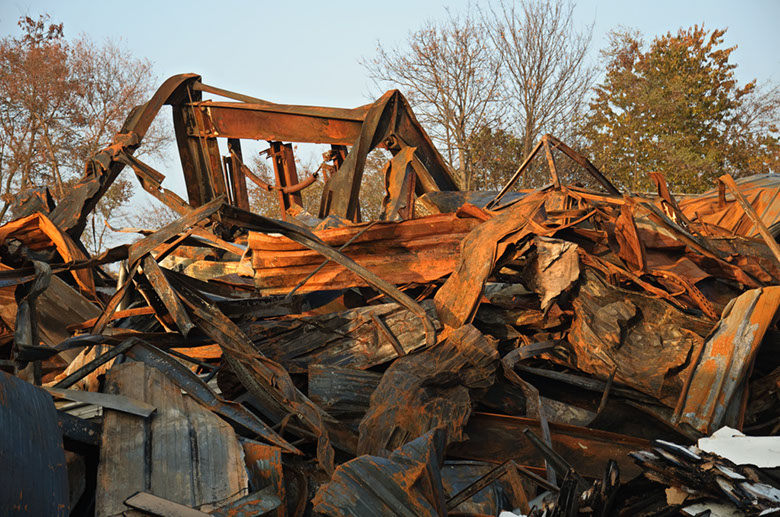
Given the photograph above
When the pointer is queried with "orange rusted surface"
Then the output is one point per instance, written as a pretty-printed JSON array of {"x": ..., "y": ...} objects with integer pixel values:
[
  {"x": 418, "y": 250},
  {"x": 726, "y": 358},
  {"x": 37, "y": 232},
  {"x": 763, "y": 193},
  {"x": 550, "y": 331}
]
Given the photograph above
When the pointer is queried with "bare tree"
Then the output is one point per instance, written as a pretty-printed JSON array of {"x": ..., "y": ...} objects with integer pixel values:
[
  {"x": 61, "y": 101},
  {"x": 546, "y": 73},
  {"x": 36, "y": 115},
  {"x": 451, "y": 76},
  {"x": 111, "y": 83}
]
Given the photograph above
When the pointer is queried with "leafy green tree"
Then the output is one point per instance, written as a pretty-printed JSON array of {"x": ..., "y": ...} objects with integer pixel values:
[
  {"x": 676, "y": 107},
  {"x": 495, "y": 155}
]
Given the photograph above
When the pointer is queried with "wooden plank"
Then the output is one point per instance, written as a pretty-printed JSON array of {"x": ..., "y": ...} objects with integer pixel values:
[{"x": 183, "y": 453}]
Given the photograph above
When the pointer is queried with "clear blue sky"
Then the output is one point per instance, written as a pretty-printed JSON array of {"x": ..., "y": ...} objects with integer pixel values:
[{"x": 306, "y": 52}]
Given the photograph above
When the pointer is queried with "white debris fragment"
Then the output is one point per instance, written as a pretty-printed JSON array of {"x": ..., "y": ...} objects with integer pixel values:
[{"x": 761, "y": 451}]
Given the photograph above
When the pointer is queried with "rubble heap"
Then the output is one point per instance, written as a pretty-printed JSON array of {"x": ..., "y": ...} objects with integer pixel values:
[{"x": 562, "y": 351}]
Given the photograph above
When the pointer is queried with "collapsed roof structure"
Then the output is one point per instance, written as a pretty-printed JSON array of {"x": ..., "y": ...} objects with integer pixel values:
[{"x": 558, "y": 350}]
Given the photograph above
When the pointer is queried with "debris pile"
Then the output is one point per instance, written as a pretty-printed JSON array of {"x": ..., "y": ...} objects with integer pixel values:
[{"x": 550, "y": 352}]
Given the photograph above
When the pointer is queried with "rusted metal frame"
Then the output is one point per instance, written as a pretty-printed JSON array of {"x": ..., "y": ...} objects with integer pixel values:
[
  {"x": 512, "y": 470},
  {"x": 166, "y": 248},
  {"x": 257, "y": 122},
  {"x": 198, "y": 152},
  {"x": 147, "y": 292},
  {"x": 687, "y": 287},
  {"x": 770, "y": 241},
  {"x": 93, "y": 365},
  {"x": 389, "y": 118},
  {"x": 238, "y": 180},
  {"x": 583, "y": 195},
  {"x": 341, "y": 195},
  {"x": 666, "y": 195},
  {"x": 254, "y": 104},
  {"x": 147, "y": 244},
  {"x": 246, "y": 171},
  {"x": 553, "y": 458},
  {"x": 113, "y": 303},
  {"x": 327, "y": 260},
  {"x": 192, "y": 164},
  {"x": 585, "y": 163},
  {"x": 286, "y": 174},
  {"x": 254, "y": 222},
  {"x": 493, "y": 202},
  {"x": 185, "y": 379},
  {"x": 551, "y": 163},
  {"x": 411, "y": 133},
  {"x": 151, "y": 181},
  {"x": 206, "y": 237},
  {"x": 682, "y": 234},
  {"x": 167, "y": 295},
  {"x": 528, "y": 351},
  {"x": 192, "y": 360},
  {"x": 71, "y": 213},
  {"x": 610, "y": 269},
  {"x": 586, "y": 383},
  {"x": 209, "y": 150}
]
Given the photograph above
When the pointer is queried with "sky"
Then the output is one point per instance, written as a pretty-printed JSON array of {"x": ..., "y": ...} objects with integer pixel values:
[{"x": 308, "y": 52}]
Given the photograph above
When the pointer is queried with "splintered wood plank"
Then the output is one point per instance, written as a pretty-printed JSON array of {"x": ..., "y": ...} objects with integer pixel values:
[{"x": 183, "y": 452}]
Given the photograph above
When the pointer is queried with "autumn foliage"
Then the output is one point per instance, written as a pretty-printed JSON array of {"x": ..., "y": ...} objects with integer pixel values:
[{"x": 676, "y": 107}]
